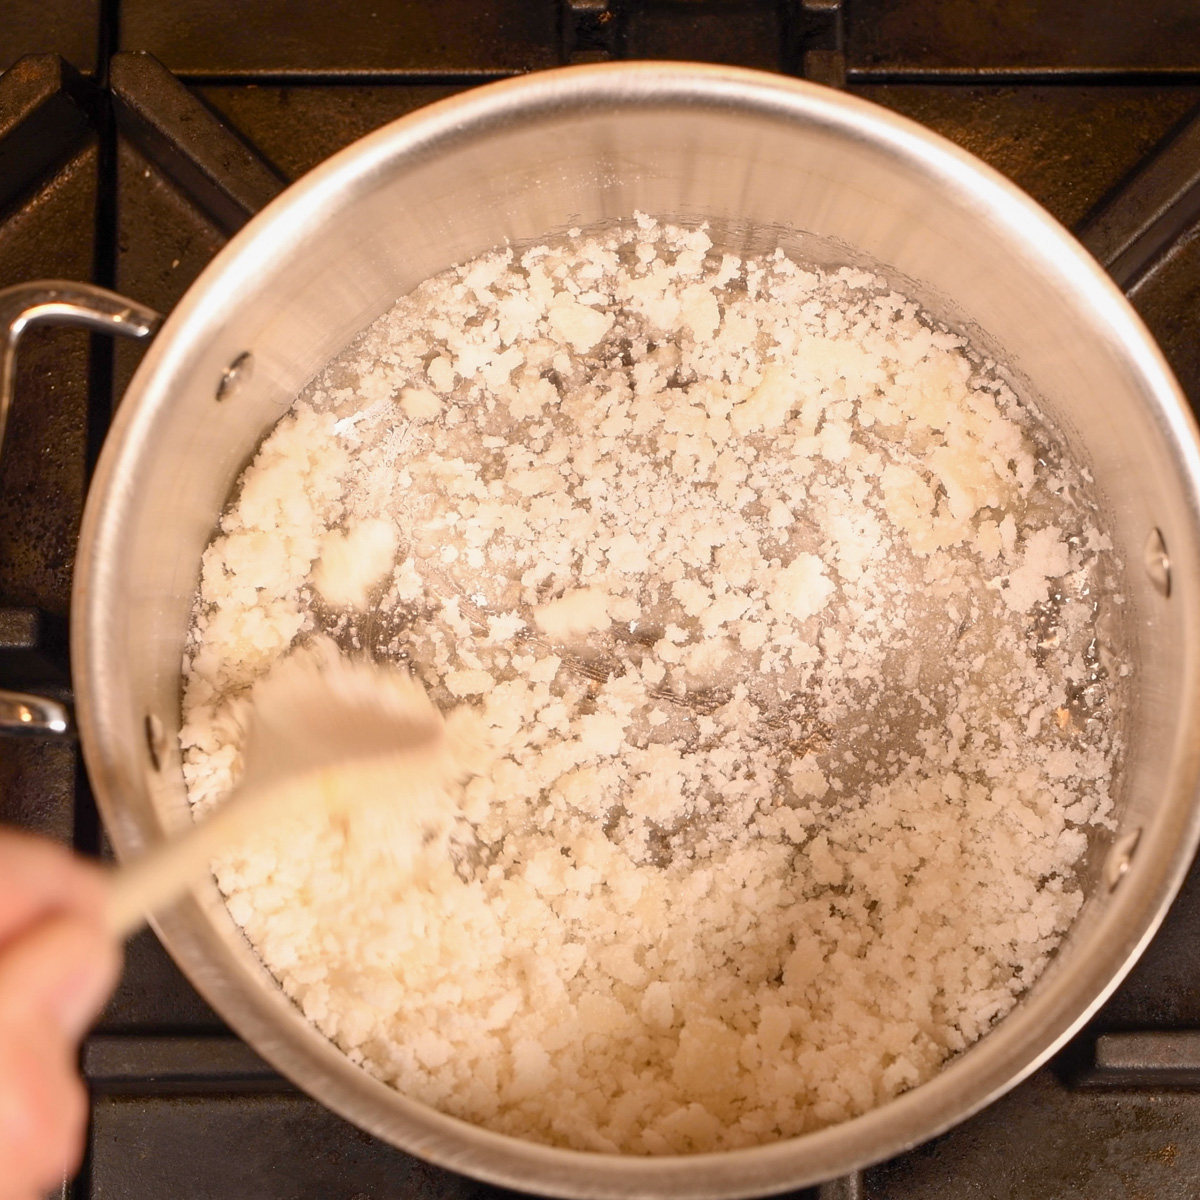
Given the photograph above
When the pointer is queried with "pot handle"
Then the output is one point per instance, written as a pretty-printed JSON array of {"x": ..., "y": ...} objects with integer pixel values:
[
  {"x": 63, "y": 302},
  {"x": 55, "y": 302},
  {"x": 20, "y": 713}
]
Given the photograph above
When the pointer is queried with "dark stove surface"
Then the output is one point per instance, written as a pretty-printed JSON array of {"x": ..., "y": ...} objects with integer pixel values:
[{"x": 142, "y": 133}]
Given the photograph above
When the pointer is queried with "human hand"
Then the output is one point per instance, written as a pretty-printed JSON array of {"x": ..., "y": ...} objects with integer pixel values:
[{"x": 58, "y": 964}]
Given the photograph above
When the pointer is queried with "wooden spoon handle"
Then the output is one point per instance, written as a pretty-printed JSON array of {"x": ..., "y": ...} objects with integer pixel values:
[{"x": 163, "y": 873}]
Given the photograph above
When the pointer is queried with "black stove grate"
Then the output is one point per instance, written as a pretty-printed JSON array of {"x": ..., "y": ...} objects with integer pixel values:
[{"x": 137, "y": 135}]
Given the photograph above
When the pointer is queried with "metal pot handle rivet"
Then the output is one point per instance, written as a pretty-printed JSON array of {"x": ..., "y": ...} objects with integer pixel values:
[
  {"x": 1157, "y": 562},
  {"x": 156, "y": 741},
  {"x": 236, "y": 374},
  {"x": 1116, "y": 865},
  {"x": 55, "y": 302}
]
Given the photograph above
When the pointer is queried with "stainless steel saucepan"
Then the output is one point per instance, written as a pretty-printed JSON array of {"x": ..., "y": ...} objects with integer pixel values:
[{"x": 766, "y": 161}]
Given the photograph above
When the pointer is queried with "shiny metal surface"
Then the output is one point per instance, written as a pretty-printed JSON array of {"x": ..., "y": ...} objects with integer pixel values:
[
  {"x": 63, "y": 302},
  {"x": 766, "y": 161},
  {"x": 1157, "y": 562},
  {"x": 24, "y": 714},
  {"x": 1161, "y": 1054},
  {"x": 55, "y": 302},
  {"x": 1120, "y": 856}
]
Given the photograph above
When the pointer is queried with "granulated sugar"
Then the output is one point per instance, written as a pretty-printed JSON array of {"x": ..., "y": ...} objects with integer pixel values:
[{"x": 778, "y": 614}]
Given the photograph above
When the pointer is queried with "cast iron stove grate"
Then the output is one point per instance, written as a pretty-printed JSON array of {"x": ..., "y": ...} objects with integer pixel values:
[{"x": 136, "y": 137}]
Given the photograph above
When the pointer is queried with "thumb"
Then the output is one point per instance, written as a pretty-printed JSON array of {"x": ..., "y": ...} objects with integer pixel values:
[{"x": 62, "y": 971}]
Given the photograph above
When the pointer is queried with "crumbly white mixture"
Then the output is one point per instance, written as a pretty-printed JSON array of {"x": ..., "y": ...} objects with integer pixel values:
[{"x": 779, "y": 617}]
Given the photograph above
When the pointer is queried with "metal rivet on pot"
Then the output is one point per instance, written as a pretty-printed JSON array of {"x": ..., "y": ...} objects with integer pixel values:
[
  {"x": 1157, "y": 563},
  {"x": 1120, "y": 856},
  {"x": 156, "y": 741},
  {"x": 235, "y": 375}
]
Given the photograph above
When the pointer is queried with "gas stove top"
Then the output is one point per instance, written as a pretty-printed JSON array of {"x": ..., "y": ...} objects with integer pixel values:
[{"x": 136, "y": 136}]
